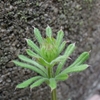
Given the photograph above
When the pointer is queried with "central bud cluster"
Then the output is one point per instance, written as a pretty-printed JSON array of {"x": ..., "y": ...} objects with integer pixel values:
[{"x": 49, "y": 49}]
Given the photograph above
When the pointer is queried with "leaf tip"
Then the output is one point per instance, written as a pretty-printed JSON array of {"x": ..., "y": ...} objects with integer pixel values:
[
  {"x": 68, "y": 41},
  {"x": 26, "y": 39},
  {"x": 30, "y": 89},
  {"x": 48, "y": 25},
  {"x": 61, "y": 28},
  {"x": 88, "y": 66},
  {"x": 69, "y": 58},
  {"x": 17, "y": 86},
  {"x": 13, "y": 61},
  {"x": 74, "y": 44},
  {"x": 89, "y": 52}
]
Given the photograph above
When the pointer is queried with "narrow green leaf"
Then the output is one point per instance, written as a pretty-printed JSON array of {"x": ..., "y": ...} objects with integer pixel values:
[
  {"x": 28, "y": 82},
  {"x": 75, "y": 69},
  {"x": 31, "y": 53},
  {"x": 38, "y": 82},
  {"x": 62, "y": 46},
  {"x": 39, "y": 59},
  {"x": 26, "y": 59},
  {"x": 33, "y": 46},
  {"x": 24, "y": 65},
  {"x": 38, "y": 35},
  {"x": 43, "y": 62},
  {"x": 49, "y": 31},
  {"x": 81, "y": 59},
  {"x": 58, "y": 59},
  {"x": 59, "y": 68},
  {"x": 67, "y": 53},
  {"x": 59, "y": 38},
  {"x": 61, "y": 77},
  {"x": 52, "y": 83},
  {"x": 69, "y": 49}
]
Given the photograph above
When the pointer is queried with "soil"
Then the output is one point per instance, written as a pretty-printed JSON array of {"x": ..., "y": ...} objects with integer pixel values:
[{"x": 80, "y": 20}]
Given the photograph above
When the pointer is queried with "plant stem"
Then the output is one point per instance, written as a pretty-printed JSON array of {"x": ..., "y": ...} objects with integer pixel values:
[
  {"x": 53, "y": 94},
  {"x": 50, "y": 72}
]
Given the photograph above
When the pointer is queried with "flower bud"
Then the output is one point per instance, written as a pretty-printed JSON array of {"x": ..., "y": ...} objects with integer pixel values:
[{"x": 48, "y": 49}]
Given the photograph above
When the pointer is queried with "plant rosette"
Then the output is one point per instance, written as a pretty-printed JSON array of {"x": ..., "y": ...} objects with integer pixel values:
[{"x": 47, "y": 56}]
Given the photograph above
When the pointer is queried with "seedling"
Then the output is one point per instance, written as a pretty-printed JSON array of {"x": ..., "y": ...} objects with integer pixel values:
[{"x": 47, "y": 56}]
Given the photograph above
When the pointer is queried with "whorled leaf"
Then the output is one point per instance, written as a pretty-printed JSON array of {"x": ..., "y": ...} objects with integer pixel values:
[
  {"x": 31, "y": 53},
  {"x": 38, "y": 58},
  {"x": 61, "y": 47},
  {"x": 59, "y": 38},
  {"x": 38, "y": 82},
  {"x": 75, "y": 69},
  {"x": 57, "y": 60},
  {"x": 43, "y": 62},
  {"x": 33, "y": 46},
  {"x": 61, "y": 77},
  {"x": 38, "y": 35},
  {"x": 26, "y": 59},
  {"x": 52, "y": 83},
  {"x": 49, "y": 31},
  {"x": 67, "y": 53},
  {"x": 25, "y": 65},
  {"x": 81, "y": 59},
  {"x": 28, "y": 82}
]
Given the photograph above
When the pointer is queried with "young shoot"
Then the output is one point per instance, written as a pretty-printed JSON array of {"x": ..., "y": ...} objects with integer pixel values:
[{"x": 47, "y": 56}]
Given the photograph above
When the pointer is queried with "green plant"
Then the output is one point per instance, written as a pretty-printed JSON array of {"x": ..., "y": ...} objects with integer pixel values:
[{"x": 46, "y": 57}]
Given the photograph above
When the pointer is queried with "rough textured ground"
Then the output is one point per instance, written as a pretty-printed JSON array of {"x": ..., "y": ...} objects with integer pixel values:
[
  {"x": 95, "y": 97},
  {"x": 80, "y": 21}
]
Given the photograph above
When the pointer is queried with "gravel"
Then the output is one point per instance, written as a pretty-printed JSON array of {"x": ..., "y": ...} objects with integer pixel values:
[{"x": 80, "y": 22}]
